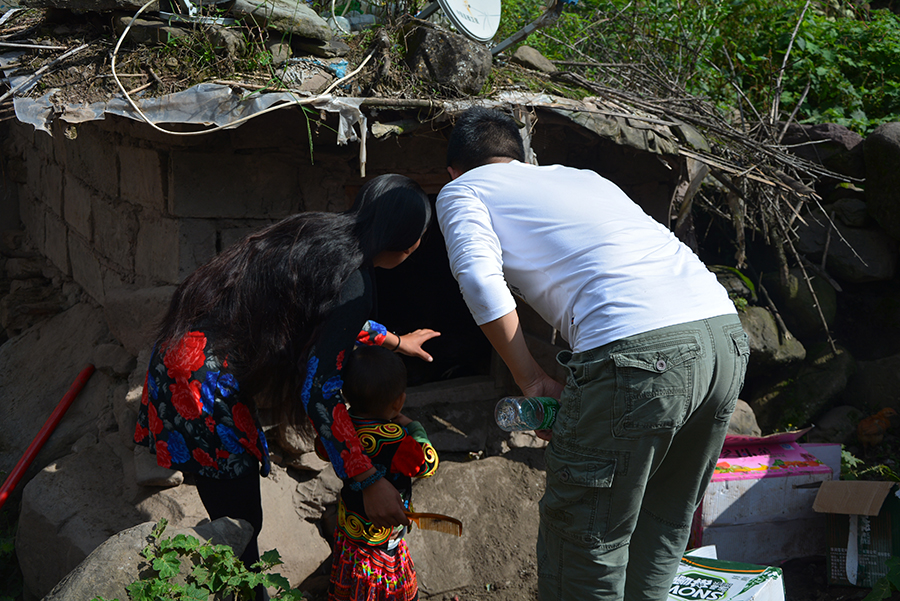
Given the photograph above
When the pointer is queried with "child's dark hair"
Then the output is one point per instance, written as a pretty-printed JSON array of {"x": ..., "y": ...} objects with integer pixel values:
[
  {"x": 481, "y": 134},
  {"x": 374, "y": 377}
]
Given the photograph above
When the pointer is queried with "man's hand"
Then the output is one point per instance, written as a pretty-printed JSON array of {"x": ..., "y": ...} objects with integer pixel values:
[
  {"x": 383, "y": 505},
  {"x": 543, "y": 385},
  {"x": 411, "y": 344}
]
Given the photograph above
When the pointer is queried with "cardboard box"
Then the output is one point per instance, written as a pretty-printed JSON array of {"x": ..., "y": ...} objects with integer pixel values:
[
  {"x": 702, "y": 577},
  {"x": 863, "y": 529},
  {"x": 758, "y": 506}
]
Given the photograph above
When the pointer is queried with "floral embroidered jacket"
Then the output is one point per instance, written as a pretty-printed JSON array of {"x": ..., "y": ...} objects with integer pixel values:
[
  {"x": 194, "y": 416},
  {"x": 406, "y": 453}
]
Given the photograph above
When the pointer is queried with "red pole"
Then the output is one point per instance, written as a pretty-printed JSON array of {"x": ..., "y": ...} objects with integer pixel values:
[{"x": 49, "y": 426}]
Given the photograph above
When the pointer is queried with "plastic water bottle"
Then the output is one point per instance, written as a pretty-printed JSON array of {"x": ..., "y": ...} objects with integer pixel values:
[{"x": 517, "y": 413}]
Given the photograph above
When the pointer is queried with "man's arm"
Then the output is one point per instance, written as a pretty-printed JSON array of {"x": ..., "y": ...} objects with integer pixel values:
[{"x": 505, "y": 335}]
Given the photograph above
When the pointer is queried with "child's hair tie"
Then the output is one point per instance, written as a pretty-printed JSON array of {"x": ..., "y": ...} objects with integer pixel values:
[{"x": 357, "y": 486}]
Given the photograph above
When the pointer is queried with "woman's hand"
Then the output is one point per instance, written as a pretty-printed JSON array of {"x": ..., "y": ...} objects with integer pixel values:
[
  {"x": 411, "y": 344},
  {"x": 383, "y": 505}
]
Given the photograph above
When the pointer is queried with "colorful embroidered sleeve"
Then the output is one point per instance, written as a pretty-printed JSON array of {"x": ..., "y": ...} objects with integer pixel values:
[
  {"x": 372, "y": 333},
  {"x": 320, "y": 394},
  {"x": 415, "y": 457}
]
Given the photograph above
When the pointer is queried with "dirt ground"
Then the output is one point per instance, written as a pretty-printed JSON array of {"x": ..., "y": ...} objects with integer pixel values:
[{"x": 804, "y": 580}]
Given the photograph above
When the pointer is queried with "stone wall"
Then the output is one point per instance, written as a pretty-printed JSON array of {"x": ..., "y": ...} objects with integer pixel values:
[{"x": 116, "y": 205}]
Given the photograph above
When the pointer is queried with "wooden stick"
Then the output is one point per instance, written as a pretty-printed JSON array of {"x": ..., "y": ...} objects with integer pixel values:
[{"x": 36, "y": 46}]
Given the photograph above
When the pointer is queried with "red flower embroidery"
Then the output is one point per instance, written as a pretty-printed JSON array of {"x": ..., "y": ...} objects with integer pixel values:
[
  {"x": 355, "y": 461},
  {"x": 204, "y": 459},
  {"x": 409, "y": 458},
  {"x": 156, "y": 425},
  {"x": 379, "y": 339},
  {"x": 162, "y": 454},
  {"x": 250, "y": 446},
  {"x": 244, "y": 421},
  {"x": 222, "y": 454},
  {"x": 145, "y": 395},
  {"x": 186, "y": 398},
  {"x": 340, "y": 360},
  {"x": 140, "y": 433},
  {"x": 210, "y": 423},
  {"x": 342, "y": 428},
  {"x": 186, "y": 356}
]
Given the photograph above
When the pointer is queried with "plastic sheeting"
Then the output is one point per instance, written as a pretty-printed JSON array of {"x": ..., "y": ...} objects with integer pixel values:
[{"x": 215, "y": 106}]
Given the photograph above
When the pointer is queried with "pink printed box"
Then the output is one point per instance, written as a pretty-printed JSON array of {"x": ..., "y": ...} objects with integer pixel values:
[{"x": 758, "y": 506}]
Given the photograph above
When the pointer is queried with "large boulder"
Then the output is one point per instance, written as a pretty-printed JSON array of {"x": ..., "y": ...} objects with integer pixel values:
[
  {"x": 829, "y": 144},
  {"x": 838, "y": 425},
  {"x": 882, "y": 152},
  {"x": 802, "y": 313},
  {"x": 70, "y": 509},
  {"x": 79, "y": 501},
  {"x": 875, "y": 385},
  {"x": 291, "y": 17},
  {"x": 768, "y": 348},
  {"x": 810, "y": 392},
  {"x": 496, "y": 499},
  {"x": 132, "y": 315},
  {"x": 37, "y": 369},
  {"x": 855, "y": 254},
  {"x": 118, "y": 562},
  {"x": 448, "y": 59}
]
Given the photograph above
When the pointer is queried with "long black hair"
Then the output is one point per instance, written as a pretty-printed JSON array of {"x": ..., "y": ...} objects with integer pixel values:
[
  {"x": 264, "y": 298},
  {"x": 392, "y": 213}
]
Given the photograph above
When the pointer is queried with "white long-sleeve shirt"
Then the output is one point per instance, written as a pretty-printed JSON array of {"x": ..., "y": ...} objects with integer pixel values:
[{"x": 574, "y": 247}]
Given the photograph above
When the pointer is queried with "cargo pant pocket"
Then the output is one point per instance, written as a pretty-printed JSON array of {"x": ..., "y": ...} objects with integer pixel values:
[
  {"x": 654, "y": 387},
  {"x": 576, "y": 503},
  {"x": 740, "y": 346}
]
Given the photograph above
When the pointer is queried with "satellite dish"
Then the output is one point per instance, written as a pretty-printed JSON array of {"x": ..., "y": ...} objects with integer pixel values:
[{"x": 476, "y": 19}]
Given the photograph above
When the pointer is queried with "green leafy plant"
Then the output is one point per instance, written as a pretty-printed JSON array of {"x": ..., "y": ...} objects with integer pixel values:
[
  {"x": 854, "y": 468},
  {"x": 828, "y": 61},
  {"x": 214, "y": 571},
  {"x": 888, "y": 583}
]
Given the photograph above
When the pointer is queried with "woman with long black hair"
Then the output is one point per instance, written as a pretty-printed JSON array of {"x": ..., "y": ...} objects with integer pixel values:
[{"x": 271, "y": 318}]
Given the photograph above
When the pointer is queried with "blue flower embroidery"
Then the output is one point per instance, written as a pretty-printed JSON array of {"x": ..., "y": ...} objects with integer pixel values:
[
  {"x": 177, "y": 448},
  {"x": 377, "y": 328},
  {"x": 208, "y": 390},
  {"x": 152, "y": 388},
  {"x": 263, "y": 442},
  {"x": 229, "y": 439},
  {"x": 228, "y": 385},
  {"x": 311, "y": 367},
  {"x": 334, "y": 455},
  {"x": 332, "y": 386}
]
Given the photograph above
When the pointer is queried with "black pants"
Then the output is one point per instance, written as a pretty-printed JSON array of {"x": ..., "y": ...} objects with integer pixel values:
[{"x": 237, "y": 498}]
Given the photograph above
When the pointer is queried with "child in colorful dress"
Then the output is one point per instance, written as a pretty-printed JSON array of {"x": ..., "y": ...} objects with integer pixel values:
[{"x": 373, "y": 563}]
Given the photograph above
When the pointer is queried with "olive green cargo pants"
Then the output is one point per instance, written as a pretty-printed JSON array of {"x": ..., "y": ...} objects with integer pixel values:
[{"x": 641, "y": 425}]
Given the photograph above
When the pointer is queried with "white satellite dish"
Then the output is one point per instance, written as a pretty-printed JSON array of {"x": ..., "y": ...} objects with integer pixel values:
[{"x": 476, "y": 19}]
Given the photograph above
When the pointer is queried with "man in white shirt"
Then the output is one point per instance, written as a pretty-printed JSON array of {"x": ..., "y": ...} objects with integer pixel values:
[{"x": 657, "y": 362}]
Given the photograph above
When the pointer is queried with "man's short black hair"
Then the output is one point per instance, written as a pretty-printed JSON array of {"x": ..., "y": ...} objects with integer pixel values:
[
  {"x": 481, "y": 134},
  {"x": 374, "y": 377}
]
